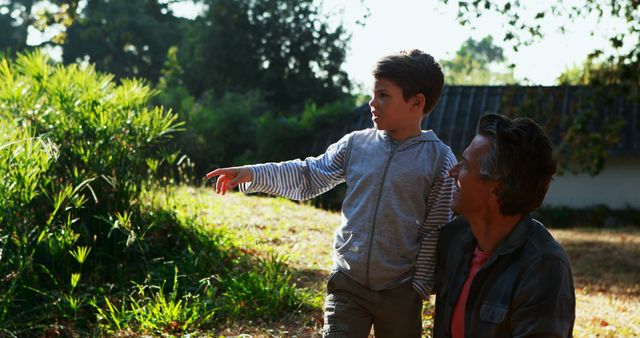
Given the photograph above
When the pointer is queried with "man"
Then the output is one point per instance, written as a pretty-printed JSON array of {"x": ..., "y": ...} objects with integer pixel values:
[{"x": 500, "y": 273}]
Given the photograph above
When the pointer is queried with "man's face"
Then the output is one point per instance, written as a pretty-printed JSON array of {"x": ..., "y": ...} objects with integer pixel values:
[
  {"x": 474, "y": 195},
  {"x": 390, "y": 112}
]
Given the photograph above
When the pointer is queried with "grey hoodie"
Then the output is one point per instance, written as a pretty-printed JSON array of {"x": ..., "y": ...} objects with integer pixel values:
[{"x": 397, "y": 199}]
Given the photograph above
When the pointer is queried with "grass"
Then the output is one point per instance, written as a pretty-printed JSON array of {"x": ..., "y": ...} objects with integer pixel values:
[
  {"x": 606, "y": 269},
  {"x": 606, "y": 262}
]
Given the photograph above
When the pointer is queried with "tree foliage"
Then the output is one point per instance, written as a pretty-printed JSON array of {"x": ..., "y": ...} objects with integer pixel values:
[
  {"x": 286, "y": 49},
  {"x": 235, "y": 62},
  {"x": 125, "y": 38},
  {"x": 589, "y": 131},
  {"x": 590, "y": 72},
  {"x": 525, "y": 28},
  {"x": 18, "y": 17},
  {"x": 580, "y": 121},
  {"x": 14, "y": 22},
  {"x": 283, "y": 48},
  {"x": 475, "y": 63}
]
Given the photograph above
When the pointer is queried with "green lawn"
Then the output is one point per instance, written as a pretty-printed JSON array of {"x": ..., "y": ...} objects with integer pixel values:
[{"x": 606, "y": 263}]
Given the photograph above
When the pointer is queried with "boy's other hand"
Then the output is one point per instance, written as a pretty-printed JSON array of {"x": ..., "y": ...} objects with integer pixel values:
[{"x": 229, "y": 178}]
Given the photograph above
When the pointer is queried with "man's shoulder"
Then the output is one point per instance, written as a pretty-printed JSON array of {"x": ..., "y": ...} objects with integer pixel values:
[{"x": 542, "y": 244}]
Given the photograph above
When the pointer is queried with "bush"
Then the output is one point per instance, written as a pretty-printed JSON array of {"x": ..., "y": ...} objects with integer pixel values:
[
  {"x": 225, "y": 128},
  {"x": 282, "y": 138},
  {"x": 599, "y": 216},
  {"x": 240, "y": 128},
  {"x": 72, "y": 179},
  {"x": 24, "y": 160},
  {"x": 81, "y": 250}
]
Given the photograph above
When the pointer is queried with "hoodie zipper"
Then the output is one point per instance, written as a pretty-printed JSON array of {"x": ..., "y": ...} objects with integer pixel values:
[{"x": 375, "y": 214}]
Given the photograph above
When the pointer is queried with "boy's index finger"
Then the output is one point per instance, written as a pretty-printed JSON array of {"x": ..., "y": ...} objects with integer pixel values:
[{"x": 215, "y": 173}]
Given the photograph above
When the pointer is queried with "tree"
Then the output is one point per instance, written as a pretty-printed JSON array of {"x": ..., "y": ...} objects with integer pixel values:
[
  {"x": 282, "y": 48},
  {"x": 18, "y": 17},
  {"x": 525, "y": 28},
  {"x": 13, "y": 24},
  {"x": 473, "y": 63},
  {"x": 589, "y": 131},
  {"x": 591, "y": 72},
  {"x": 125, "y": 38}
]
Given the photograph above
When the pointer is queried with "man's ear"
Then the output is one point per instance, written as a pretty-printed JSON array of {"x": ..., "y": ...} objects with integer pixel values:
[{"x": 496, "y": 189}]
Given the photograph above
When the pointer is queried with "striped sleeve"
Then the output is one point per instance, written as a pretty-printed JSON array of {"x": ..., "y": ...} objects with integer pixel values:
[
  {"x": 300, "y": 179},
  {"x": 438, "y": 214}
]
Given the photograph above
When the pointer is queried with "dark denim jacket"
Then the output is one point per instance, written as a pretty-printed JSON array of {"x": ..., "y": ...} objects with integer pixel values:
[{"x": 525, "y": 289}]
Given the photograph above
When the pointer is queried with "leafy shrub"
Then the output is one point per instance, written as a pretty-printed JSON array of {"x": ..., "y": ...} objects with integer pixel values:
[
  {"x": 80, "y": 251},
  {"x": 72, "y": 177},
  {"x": 599, "y": 216},
  {"x": 23, "y": 161},
  {"x": 240, "y": 128},
  {"x": 224, "y": 127},
  {"x": 282, "y": 138}
]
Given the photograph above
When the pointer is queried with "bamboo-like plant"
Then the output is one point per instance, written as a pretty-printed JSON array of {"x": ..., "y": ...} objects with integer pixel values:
[{"x": 74, "y": 148}]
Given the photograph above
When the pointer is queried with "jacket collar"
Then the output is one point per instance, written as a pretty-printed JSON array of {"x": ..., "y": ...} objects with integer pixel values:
[
  {"x": 519, "y": 235},
  {"x": 522, "y": 232},
  {"x": 425, "y": 136}
]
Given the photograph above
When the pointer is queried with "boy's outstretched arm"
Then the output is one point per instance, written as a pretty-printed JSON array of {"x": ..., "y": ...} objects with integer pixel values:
[{"x": 229, "y": 178}]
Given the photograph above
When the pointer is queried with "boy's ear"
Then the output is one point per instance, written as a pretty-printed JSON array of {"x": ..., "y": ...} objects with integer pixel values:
[{"x": 419, "y": 101}]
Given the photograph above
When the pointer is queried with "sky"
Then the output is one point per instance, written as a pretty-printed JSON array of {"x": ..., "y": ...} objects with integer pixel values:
[{"x": 431, "y": 26}]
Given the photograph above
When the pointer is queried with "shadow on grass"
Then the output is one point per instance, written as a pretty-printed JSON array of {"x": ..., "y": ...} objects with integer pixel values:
[
  {"x": 311, "y": 278},
  {"x": 605, "y": 266},
  {"x": 198, "y": 271}
]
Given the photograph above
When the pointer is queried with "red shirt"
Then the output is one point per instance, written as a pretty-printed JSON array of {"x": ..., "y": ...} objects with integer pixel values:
[{"x": 457, "y": 319}]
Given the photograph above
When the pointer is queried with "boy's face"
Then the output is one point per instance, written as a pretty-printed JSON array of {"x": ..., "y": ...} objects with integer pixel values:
[{"x": 390, "y": 112}]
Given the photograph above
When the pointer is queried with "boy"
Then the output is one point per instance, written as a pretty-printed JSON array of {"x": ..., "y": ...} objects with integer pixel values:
[{"x": 398, "y": 196}]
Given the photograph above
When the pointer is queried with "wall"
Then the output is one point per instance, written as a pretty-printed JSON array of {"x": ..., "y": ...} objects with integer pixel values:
[{"x": 618, "y": 187}]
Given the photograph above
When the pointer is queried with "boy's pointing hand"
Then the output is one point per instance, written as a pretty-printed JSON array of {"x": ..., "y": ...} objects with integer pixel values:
[{"x": 229, "y": 178}]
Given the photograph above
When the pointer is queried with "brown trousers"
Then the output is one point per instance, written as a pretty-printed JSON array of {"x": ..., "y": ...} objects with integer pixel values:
[{"x": 351, "y": 309}]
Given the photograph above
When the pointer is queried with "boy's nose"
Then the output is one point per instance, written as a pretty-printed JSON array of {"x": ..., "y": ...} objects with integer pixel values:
[{"x": 372, "y": 103}]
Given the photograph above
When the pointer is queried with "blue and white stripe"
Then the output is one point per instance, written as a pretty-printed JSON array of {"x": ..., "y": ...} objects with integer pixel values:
[{"x": 438, "y": 214}]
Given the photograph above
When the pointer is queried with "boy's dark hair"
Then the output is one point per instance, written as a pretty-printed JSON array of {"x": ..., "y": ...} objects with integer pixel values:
[
  {"x": 414, "y": 72},
  {"x": 521, "y": 157}
]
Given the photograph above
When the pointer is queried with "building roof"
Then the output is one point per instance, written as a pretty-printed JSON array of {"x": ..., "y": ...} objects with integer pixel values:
[{"x": 455, "y": 117}]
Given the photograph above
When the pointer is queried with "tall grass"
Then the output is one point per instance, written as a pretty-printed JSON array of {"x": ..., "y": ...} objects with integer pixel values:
[{"x": 263, "y": 291}]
